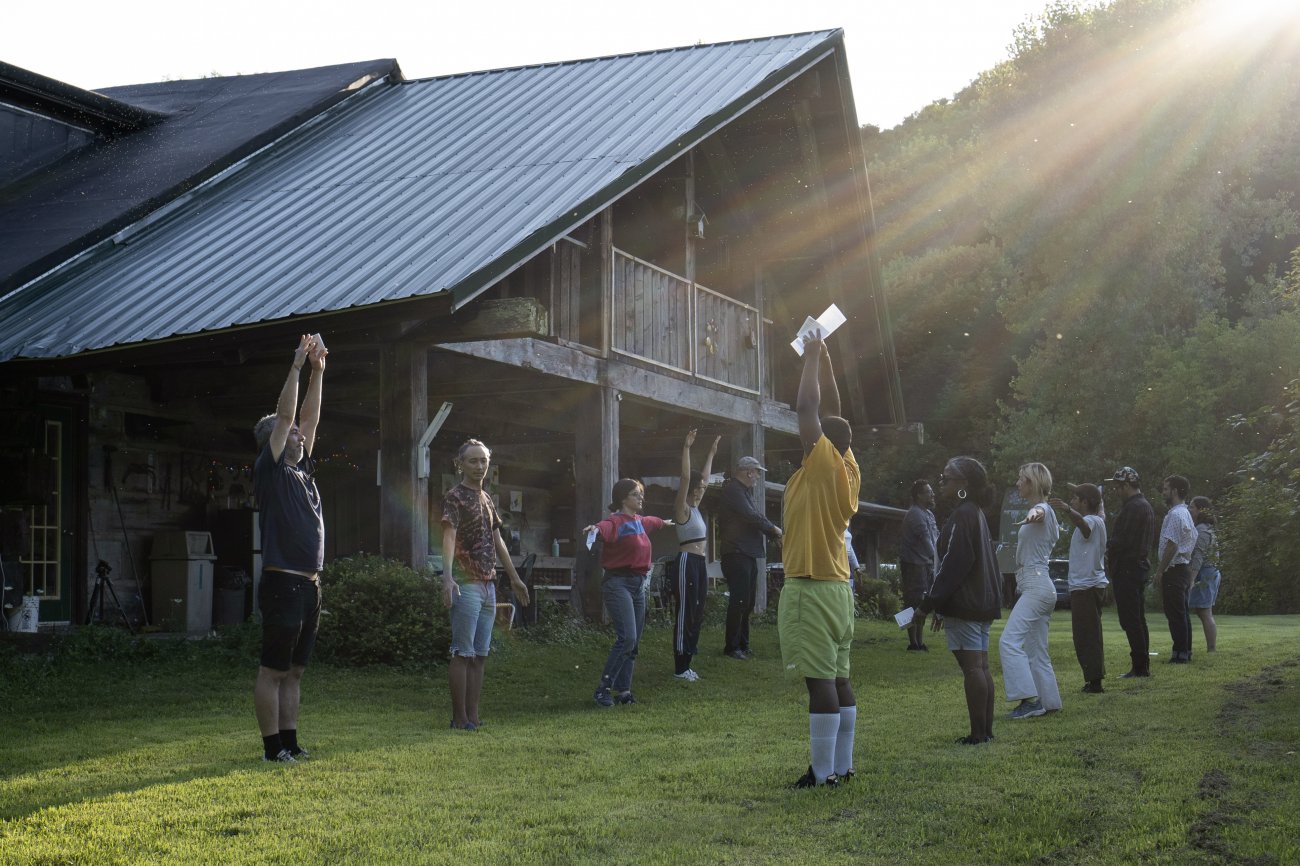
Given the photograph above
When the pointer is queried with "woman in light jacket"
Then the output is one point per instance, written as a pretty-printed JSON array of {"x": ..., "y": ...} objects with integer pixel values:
[{"x": 1027, "y": 673}]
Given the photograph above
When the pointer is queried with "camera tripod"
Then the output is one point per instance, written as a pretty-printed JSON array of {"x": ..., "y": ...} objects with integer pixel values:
[{"x": 103, "y": 587}]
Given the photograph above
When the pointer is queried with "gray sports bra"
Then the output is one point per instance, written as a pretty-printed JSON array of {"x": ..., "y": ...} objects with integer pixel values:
[{"x": 693, "y": 529}]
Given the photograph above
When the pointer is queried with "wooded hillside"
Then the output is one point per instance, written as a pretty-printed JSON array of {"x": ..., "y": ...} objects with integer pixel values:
[{"x": 1092, "y": 256}]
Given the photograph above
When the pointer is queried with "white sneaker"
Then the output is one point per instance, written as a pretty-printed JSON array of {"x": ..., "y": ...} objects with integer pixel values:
[
  {"x": 694, "y": 675},
  {"x": 689, "y": 675}
]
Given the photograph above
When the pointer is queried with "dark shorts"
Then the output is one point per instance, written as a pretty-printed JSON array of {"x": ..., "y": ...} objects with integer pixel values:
[{"x": 290, "y": 606}]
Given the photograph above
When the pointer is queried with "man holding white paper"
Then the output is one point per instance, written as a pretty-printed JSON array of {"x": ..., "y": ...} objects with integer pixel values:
[{"x": 815, "y": 617}]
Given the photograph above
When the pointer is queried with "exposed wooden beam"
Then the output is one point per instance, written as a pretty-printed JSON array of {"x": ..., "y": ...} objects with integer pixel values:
[{"x": 660, "y": 388}]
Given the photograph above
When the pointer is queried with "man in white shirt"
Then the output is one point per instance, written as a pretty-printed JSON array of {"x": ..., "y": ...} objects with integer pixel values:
[
  {"x": 1088, "y": 581},
  {"x": 1173, "y": 574}
]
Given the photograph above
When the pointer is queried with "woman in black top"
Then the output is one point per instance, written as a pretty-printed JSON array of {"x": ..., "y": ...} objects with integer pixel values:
[{"x": 967, "y": 588}]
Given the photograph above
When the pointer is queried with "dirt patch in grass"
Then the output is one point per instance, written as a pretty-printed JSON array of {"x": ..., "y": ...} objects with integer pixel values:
[{"x": 1216, "y": 788}]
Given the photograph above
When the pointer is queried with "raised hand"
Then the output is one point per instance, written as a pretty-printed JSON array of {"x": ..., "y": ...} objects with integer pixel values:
[
  {"x": 318, "y": 353},
  {"x": 305, "y": 345}
]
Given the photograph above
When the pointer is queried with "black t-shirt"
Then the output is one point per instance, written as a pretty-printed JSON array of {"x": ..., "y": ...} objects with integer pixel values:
[{"x": 293, "y": 525}]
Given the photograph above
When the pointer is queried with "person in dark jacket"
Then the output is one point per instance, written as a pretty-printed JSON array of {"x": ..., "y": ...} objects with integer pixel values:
[
  {"x": 967, "y": 588},
  {"x": 742, "y": 527},
  {"x": 1128, "y": 564}
]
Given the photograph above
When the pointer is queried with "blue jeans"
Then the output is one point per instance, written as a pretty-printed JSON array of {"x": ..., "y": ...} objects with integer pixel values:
[
  {"x": 472, "y": 614},
  {"x": 625, "y": 600}
]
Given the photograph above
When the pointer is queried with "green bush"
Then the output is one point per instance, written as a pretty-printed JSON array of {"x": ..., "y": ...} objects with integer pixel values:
[
  {"x": 876, "y": 598},
  {"x": 379, "y": 611}
]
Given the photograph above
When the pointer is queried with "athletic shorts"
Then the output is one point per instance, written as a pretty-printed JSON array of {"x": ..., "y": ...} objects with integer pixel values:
[
  {"x": 966, "y": 634},
  {"x": 815, "y": 623},
  {"x": 290, "y": 606}
]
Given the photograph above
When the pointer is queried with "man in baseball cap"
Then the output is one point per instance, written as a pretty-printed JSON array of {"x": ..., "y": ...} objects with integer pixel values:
[
  {"x": 742, "y": 527},
  {"x": 1128, "y": 565}
]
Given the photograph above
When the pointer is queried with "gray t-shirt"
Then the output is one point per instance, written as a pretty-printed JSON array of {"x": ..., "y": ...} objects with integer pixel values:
[
  {"x": 1035, "y": 542},
  {"x": 1087, "y": 565}
]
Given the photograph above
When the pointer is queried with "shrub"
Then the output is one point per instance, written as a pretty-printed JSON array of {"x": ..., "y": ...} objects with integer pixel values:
[
  {"x": 381, "y": 612},
  {"x": 876, "y": 598}
]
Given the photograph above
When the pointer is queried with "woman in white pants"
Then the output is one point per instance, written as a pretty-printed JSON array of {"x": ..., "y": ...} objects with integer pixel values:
[{"x": 1027, "y": 673}]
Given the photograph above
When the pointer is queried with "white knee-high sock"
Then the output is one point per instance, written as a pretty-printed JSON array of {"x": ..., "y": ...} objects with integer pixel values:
[
  {"x": 844, "y": 740},
  {"x": 822, "y": 730}
]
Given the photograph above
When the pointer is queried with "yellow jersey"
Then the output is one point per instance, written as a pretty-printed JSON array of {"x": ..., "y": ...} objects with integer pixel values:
[{"x": 820, "y": 498}]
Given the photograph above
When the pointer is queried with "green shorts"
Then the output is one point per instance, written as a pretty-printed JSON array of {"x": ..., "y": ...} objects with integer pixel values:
[{"x": 815, "y": 622}]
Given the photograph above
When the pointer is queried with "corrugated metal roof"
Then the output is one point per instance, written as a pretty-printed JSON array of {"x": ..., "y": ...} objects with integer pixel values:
[{"x": 403, "y": 190}]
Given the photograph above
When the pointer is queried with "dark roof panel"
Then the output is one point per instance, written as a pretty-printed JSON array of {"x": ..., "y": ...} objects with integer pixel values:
[
  {"x": 195, "y": 129},
  {"x": 405, "y": 190}
]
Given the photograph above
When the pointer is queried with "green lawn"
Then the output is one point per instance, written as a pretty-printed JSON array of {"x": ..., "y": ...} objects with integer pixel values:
[{"x": 156, "y": 761}]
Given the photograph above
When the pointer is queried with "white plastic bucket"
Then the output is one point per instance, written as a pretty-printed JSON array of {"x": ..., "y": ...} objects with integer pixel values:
[{"x": 28, "y": 616}]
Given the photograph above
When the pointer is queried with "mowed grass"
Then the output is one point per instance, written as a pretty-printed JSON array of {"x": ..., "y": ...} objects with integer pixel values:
[{"x": 158, "y": 762}]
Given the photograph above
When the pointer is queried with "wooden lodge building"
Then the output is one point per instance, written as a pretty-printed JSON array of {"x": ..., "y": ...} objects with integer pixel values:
[{"x": 576, "y": 262}]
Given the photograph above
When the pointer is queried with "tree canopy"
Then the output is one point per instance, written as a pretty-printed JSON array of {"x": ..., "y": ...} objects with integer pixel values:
[{"x": 1091, "y": 252}]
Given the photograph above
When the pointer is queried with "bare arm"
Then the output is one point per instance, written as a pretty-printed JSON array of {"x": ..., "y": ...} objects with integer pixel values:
[
  {"x": 1075, "y": 517},
  {"x": 707, "y": 469},
  {"x": 1167, "y": 553},
  {"x": 830, "y": 391},
  {"x": 309, "y": 417},
  {"x": 449, "y": 588},
  {"x": 680, "y": 513},
  {"x": 287, "y": 405},
  {"x": 808, "y": 404},
  {"x": 503, "y": 554}
]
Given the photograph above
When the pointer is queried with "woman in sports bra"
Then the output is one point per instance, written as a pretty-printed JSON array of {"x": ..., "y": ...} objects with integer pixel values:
[{"x": 687, "y": 576}]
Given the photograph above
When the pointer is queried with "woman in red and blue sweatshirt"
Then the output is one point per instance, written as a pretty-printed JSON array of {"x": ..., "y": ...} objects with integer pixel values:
[{"x": 626, "y": 558}]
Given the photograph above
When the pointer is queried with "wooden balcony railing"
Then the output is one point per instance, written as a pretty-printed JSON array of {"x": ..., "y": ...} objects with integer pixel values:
[{"x": 665, "y": 319}]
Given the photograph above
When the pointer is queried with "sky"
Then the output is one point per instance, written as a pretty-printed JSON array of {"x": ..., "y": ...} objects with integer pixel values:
[{"x": 902, "y": 54}]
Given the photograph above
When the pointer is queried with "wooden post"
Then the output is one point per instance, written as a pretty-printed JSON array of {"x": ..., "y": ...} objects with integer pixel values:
[
  {"x": 606, "y": 279},
  {"x": 870, "y": 556},
  {"x": 688, "y": 270},
  {"x": 403, "y": 415},
  {"x": 595, "y": 470}
]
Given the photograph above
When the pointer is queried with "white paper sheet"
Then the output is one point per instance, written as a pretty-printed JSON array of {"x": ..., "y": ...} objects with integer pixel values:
[
  {"x": 904, "y": 617},
  {"x": 826, "y": 323}
]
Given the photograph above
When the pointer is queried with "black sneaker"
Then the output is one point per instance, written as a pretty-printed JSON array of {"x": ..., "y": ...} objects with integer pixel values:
[
  {"x": 738, "y": 655},
  {"x": 298, "y": 753},
  {"x": 808, "y": 780},
  {"x": 1093, "y": 688},
  {"x": 626, "y": 698},
  {"x": 1132, "y": 674},
  {"x": 281, "y": 757},
  {"x": 603, "y": 697}
]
